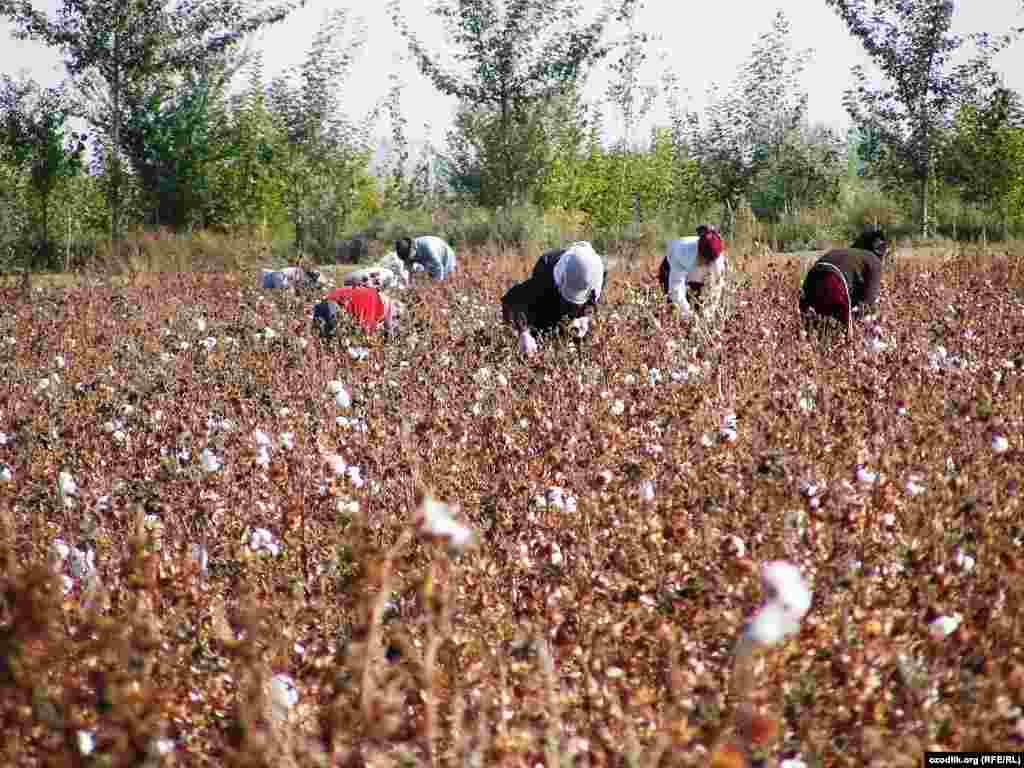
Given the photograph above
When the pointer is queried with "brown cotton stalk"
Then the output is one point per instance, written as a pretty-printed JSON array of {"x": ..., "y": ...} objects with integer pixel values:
[
  {"x": 373, "y": 644},
  {"x": 552, "y": 739}
]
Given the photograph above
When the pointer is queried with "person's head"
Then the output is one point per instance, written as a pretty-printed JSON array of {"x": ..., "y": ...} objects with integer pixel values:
[
  {"x": 403, "y": 247},
  {"x": 873, "y": 240},
  {"x": 325, "y": 318},
  {"x": 579, "y": 277},
  {"x": 709, "y": 243},
  {"x": 312, "y": 277}
]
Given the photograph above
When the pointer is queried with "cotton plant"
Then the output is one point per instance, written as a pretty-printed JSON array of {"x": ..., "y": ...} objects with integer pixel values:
[
  {"x": 67, "y": 488},
  {"x": 6, "y": 473},
  {"x": 284, "y": 696},
  {"x": 1000, "y": 444},
  {"x": 727, "y": 431}
]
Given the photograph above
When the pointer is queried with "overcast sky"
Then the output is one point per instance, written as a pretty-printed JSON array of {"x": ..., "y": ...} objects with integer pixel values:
[{"x": 702, "y": 43}]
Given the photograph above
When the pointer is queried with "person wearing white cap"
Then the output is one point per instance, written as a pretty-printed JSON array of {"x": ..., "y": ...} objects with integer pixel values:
[{"x": 566, "y": 283}]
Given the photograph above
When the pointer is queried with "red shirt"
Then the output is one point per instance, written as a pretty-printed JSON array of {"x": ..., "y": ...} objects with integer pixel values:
[{"x": 363, "y": 303}]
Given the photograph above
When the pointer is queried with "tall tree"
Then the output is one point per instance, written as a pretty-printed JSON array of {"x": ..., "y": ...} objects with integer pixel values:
[
  {"x": 986, "y": 153},
  {"x": 324, "y": 158},
  {"x": 513, "y": 55},
  {"x": 744, "y": 128},
  {"x": 912, "y": 44},
  {"x": 34, "y": 129},
  {"x": 110, "y": 46}
]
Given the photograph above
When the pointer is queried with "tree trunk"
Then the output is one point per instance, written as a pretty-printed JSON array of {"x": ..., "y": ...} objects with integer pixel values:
[
  {"x": 115, "y": 188},
  {"x": 924, "y": 205}
]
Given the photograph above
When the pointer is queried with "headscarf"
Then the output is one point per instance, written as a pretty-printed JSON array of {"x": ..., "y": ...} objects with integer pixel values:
[{"x": 579, "y": 274}]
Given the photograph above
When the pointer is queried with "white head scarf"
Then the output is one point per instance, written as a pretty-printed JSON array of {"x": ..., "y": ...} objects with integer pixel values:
[{"x": 578, "y": 272}]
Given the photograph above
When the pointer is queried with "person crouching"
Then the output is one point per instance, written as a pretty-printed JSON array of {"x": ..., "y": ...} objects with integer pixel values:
[
  {"x": 566, "y": 283},
  {"x": 289, "y": 277},
  {"x": 689, "y": 264},
  {"x": 430, "y": 252},
  {"x": 845, "y": 281},
  {"x": 368, "y": 307}
]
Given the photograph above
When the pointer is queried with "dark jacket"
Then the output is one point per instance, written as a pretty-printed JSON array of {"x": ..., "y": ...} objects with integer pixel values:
[
  {"x": 536, "y": 303},
  {"x": 862, "y": 270}
]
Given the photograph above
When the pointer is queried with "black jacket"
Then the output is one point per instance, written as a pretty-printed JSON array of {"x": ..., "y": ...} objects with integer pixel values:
[{"x": 536, "y": 302}]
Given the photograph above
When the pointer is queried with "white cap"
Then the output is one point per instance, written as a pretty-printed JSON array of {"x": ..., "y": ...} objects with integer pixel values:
[{"x": 578, "y": 272}]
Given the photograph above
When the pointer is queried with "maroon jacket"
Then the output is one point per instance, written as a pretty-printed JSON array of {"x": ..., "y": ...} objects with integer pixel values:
[{"x": 862, "y": 270}]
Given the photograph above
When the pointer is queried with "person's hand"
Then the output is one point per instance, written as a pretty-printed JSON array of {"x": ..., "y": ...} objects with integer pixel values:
[
  {"x": 580, "y": 326},
  {"x": 527, "y": 344}
]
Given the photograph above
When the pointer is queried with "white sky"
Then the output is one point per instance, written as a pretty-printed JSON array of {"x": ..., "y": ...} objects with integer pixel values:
[{"x": 705, "y": 43}]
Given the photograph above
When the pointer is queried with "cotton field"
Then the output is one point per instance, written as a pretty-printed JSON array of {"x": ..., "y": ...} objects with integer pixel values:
[{"x": 720, "y": 541}]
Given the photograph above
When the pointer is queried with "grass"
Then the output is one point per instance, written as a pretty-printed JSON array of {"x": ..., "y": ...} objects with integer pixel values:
[{"x": 593, "y": 632}]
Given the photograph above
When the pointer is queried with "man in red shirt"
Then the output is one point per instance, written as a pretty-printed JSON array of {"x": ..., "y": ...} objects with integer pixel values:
[{"x": 367, "y": 306}]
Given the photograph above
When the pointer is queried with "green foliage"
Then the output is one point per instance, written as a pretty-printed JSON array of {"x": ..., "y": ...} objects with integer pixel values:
[
  {"x": 322, "y": 157},
  {"x": 36, "y": 140},
  {"x": 517, "y": 57},
  {"x": 986, "y": 154},
  {"x": 911, "y": 43}
]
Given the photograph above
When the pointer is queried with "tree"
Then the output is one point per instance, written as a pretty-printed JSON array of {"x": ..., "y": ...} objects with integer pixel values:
[
  {"x": 324, "y": 155},
  {"x": 911, "y": 43},
  {"x": 743, "y": 129},
  {"x": 33, "y": 128},
  {"x": 515, "y": 55},
  {"x": 111, "y": 46},
  {"x": 986, "y": 151}
]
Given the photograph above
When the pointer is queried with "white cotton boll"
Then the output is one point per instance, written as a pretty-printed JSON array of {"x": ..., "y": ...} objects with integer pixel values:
[
  {"x": 355, "y": 477},
  {"x": 654, "y": 377},
  {"x": 269, "y": 333},
  {"x": 618, "y": 408},
  {"x": 437, "y": 519},
  {"x": 59, "y": 552},
  {"x": 1000, "y": 444},
  {"x": 82, "y": 562},
  {"x": 286, "y": 440},
  {"x": 786, "y": 585},
  {"x": 771, "y": 625},
  {"x": 944, "y": 626},
  {"x": 358, "y": 353},
  {"x": 913, "y": 488},
  {"x": 706, "y": 440},
  {"x": 209, "y": 461},
  {"x": 805, "y": 404},
  {"x": 201, "y": 325},
  {"x": 736, "y": 545},
  {"x": 527, "y": 344},
  {"x": 337, "y": 464},
  {"x": 792, "y": 762},
  {"x": 6, "y": 475},
  {"x": 209, "y": 342},
  {"x": 66, "y": 484},
  {"x": 263, "y": 457},
  {"x": 201, "y": 557},
  {"x": 120, "y": 436},
  {"x": 4, "y": 438},
  {"x": 556, "y": 555},
  {"x": 86, "y": 742},
  {"x": 262, "y": 540},
  {"x": 261, "y": 438},
  {"x": 60, "y": 362},
  {"x": 284, "y": 695},
  {"x": 343, "y": 399},
  {"x": 647, "y": 494},
  {"x": 865, "y": 476},
  {"x": 629, "y": 379},
  {"x": 501, "y": 380},
  {"x": 964, "y": 561}
]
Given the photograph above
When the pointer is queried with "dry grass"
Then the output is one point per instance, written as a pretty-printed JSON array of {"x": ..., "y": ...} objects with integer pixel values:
[{"x": 597, "y": 630}]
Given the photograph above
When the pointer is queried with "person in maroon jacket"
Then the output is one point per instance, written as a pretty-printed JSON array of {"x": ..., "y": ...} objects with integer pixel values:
[{"x": 845, "y": 280}]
